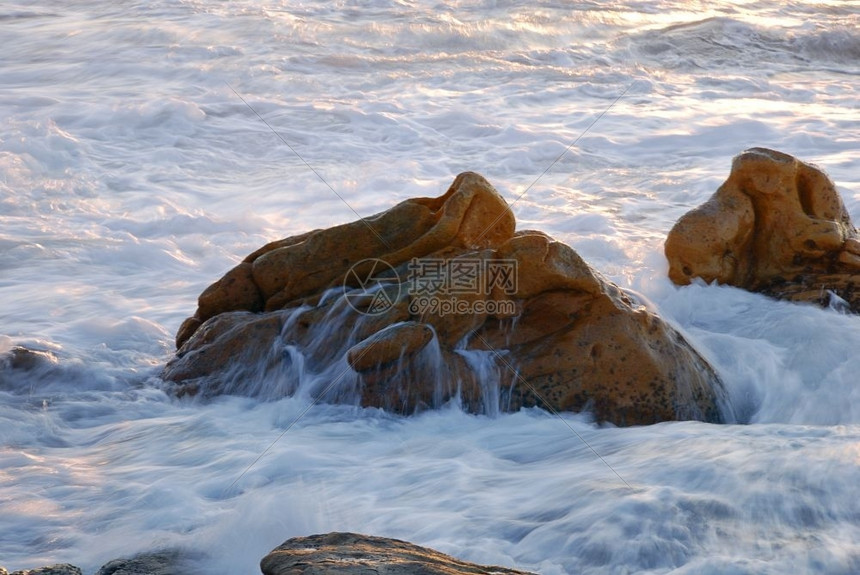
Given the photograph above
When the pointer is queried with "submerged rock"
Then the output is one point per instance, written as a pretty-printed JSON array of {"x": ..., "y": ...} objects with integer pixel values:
[
  {"x": 434, "y": 300},
  {"x": 778, "y": 226},
  {"x": 22, "y": 358},
  {"x": 354, "y": 554}
]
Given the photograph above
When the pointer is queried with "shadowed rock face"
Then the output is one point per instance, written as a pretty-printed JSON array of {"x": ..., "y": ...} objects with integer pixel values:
[
  {"x": 433, "y": 300},
  {"x": 778, "y": 226},
  {"x": 354, "y": 554}
]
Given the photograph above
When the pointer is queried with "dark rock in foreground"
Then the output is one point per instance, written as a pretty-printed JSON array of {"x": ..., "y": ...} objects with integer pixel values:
[
  {"x": 58, "y": 569},
  {"x": 338, "y": 553},
  {"x": 776, "y": 226},
  {"x": 19, "y": 361},
  {"x": 354, "y": 554},
  {"x": 433, "y": 300},
  {"x": 168, "y": 562}
]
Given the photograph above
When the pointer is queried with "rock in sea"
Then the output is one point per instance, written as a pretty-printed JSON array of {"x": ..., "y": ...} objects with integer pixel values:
[
  {"x": 433, "y": 300},
  {"x": 165, "y": 562},
  {"x": 777, "y": 226},
  {"x": 354, "y": 554}
]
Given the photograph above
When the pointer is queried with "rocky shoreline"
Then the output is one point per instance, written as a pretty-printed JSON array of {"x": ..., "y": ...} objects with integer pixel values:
[{"x": 337, "y": 553}]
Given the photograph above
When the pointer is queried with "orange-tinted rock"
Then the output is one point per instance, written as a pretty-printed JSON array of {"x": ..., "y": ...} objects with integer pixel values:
[
  {"x": 713, "y": 241},
  {"x": 544, "y": 264},
  {"x": 213, "y": 357},
  {"x": 777, "y": 225},
  {"x": 622, "y": 362},
  {"x": 389, "y": 345},
  {"x": 470, "y": 214},
  {"x": 235, "y": 291},
  {"x": 439, "y": 300}
]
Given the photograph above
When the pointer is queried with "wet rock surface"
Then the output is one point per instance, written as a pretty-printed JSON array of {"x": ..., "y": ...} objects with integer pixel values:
[
  {"x": 777, "y": 226},
  {"x": 433, "y": 300},
  {"x": 166, "y": 562},
  {"x": 351, "y": 553},
  {"x": 342, "y": 553}
]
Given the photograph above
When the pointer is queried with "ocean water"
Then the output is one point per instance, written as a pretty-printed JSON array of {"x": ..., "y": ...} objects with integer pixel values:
[{"x": 146, "y": 147}]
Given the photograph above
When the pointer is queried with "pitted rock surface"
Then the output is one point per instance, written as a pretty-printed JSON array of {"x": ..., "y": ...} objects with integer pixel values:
[{"x": 778, "y": 226}]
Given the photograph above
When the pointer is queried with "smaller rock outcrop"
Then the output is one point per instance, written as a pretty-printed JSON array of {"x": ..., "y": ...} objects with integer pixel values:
[
  {"x": 777, "y": 226},
  {"x": 355, "y": 554}
]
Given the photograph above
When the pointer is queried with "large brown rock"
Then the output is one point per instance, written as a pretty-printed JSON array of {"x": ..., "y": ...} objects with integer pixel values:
[
  {"x": 470, "y": 214},
  {"x": 355, "y": 554},
  {"x": 777, "y": 225},
  {"x": 434, "y": 300}
]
